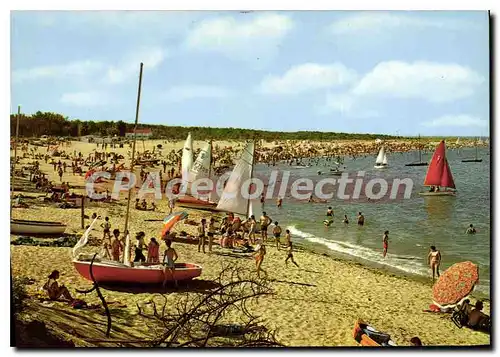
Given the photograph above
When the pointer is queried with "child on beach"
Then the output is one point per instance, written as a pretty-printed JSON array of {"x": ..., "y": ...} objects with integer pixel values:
[
  {"x": 277, "y": 234},
  {"x": 434, "y": 259},
  {"x": 288, "y": 239},
  {"x": 169, "y": 259},
  {"x": 107, "y": 228},
  {"x": 259, "y": 258},
  {"x": 201, "y": 235},
  {"x": 385, "y": 241},
  {"x": 54, "y": 290},
  {"x": 153, "y": 251},
  {"x": 251, "y": 232},
  {"x": 290, "y": 255}
]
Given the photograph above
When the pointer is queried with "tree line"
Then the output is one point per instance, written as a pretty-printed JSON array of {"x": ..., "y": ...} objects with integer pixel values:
[{"x": 54, "y": 124}]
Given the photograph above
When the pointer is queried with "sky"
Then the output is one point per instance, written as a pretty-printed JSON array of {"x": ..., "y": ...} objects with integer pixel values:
[{"x": 395, "y": 72}]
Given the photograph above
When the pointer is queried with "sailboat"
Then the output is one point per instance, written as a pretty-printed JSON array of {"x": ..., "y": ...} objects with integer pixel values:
[
  {"x": 336, "y": 171},
  {"x": 108, "y": 271},
  {"x": 232, "y": 198},
  {"x": 381, "y": 162},
  {"x": 201, "y": 169},
  {"x": 439, "y": 174},
  {"x": 420, "y": 162},
  {"x": 475, "y": 159}
]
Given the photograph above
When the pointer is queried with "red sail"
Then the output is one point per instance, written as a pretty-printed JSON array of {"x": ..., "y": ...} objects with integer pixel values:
[
  {"x": 439, "y": 173},
  {"x": 447, "y": 179},
  {"x": 436, "y": 167}
]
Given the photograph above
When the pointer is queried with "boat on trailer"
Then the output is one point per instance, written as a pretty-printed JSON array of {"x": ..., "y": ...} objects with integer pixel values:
[
  {"x": 23, "y": 226},
  {"x": 439, "y": 174}
]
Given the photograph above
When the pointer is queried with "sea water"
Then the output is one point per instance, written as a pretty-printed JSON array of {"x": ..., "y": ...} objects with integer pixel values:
[{"x": 414, "y": 224}]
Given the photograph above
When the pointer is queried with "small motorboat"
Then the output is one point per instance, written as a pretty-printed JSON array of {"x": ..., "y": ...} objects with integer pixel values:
[
  {"x": 27, "y": 227},
  {"x": 366, "y": 335},
  {"x": 145, "y": 273}
]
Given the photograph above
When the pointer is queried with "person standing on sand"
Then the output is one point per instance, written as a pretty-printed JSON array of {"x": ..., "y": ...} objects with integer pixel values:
[
  {"x": 385, "y": 241},
  {"x": 169, "y": 259},
  {"x": 264, "y": 223},
  {"x": 361, "y": 219},
  {"x": 116, "y": 246},
  {"x": 201, "y": 235},
  {"x": 288, "y": 238},
  {"x": 434, "y": 260},
  {"x": 290, "y": 255},
  {"x": 153, "y": 251},
  {"x": 259, "y": 258},
  {"x": 277, "y": 234},
  {"x": 107, "y": 228}
]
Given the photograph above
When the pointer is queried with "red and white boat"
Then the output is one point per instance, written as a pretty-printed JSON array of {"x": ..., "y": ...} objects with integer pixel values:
[
  {"x": 108, "y": 271},
  {"x": 439, "y": 174},
  {"x": 195, "y": 203},
  {"x": 146, "y": 273}
]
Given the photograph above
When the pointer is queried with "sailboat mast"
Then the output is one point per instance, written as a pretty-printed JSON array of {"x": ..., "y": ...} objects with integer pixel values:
[
  {"x": 419, "y": 150},
  {"x": 251, "y": 176},
  {"x": 15, "y": 155},
  {"x": 133, "y": 145},
  {"x": 210, "y": 170},
  {"x": 476, "y": 148}
]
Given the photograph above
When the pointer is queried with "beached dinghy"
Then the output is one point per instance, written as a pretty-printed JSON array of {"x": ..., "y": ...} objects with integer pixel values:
[
  {"x": 366, "y": 335},
  {"x": 107, "y": 271},
  {"x": 199, "y": 170},
  {"x": 439, "y": 174},
  {"x": 381, "y": 162},
  {"x": 22, "y": 226}
]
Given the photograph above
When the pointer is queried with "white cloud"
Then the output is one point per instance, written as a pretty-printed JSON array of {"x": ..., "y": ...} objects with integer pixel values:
[
  {"x": 435, "y": 82},
  {"x": 86, "y": 99},
  {"x": 376, "y": 21},
  {"x": 346, "y": 105},
  {"x": 240, "y": 38},
  {"x": 151, "y": 58},
  {"x": 186, "y": 92},
  {"x": 308, "y": 77},
  {"x": 66, "y": 71},
  {"x": 461, "y": 120}
]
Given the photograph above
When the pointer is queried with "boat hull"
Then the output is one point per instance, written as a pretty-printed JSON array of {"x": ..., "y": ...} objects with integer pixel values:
[
  {"x": 381, "y": 166},
  {"x": 473, "y": 160},
  {"x": 19, "y": 226},
  {"x": 143, "y": 274},
  {"x": 418, "y": 164},
  {"x": 439, "y": 193},
  {"x": 195, "y": 203}
]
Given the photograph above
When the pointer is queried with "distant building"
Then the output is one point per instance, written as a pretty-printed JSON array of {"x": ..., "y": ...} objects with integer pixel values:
[{"x": 141, "y": 134}]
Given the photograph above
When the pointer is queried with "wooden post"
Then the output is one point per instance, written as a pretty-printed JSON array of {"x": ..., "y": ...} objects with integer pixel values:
[
  {"x": 83, "y": 211},
  {"x": 133, "y": 145}
]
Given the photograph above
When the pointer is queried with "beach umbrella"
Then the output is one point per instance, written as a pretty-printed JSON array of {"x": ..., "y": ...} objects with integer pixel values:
[
  {"x": 455, "y": 283},
  {"x": 171, "y": 220}
]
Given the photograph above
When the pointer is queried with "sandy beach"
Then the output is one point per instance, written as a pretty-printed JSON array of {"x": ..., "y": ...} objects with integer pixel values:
[{"x": 314, "y": 305}]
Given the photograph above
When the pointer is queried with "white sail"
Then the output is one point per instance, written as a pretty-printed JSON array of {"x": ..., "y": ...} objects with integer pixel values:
[
  {"x": 381, "y": 156},
  {"x": 126, "y": 253},
  {"x": 201, "y": 167},
  {"x": 83, "y": 240},
  {"x": 255, "y": 208},
  {"x": 384, "y": 160},
  {"x": 458, "y": 141},
  {"x": 232, "y": 199},
  {"x": 187, "y": 158}
]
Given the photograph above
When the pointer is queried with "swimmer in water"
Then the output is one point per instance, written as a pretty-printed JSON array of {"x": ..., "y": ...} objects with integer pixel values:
[
  {"x": 329, "y": 212},
  {"x": 471, "y": 230},
  {"x": 385, "y": 240},
  {"x": 434, "y": 260},
  {"x": 361, "y": 219},
  {"x": 327, "y": 222},
  {"x": 346, "y": 221}
]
